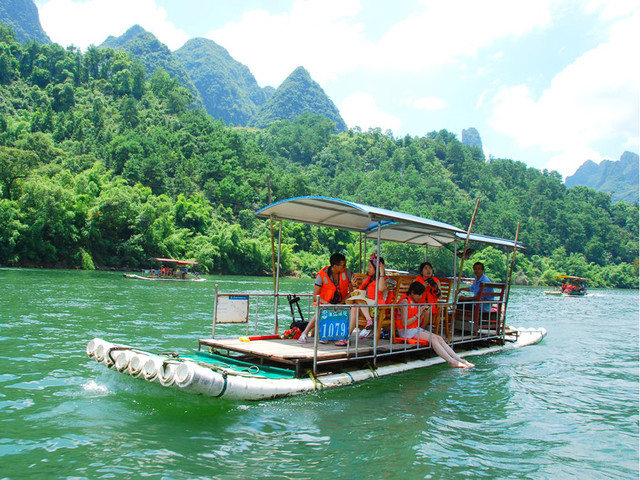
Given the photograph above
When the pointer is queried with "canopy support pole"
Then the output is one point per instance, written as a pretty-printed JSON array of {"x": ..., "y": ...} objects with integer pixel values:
[
  {"x": 273, "y": 249},
  {"x": 277, "y": 279},
  {"x": 510, "y": 273},
  {"x": 466, "y": 244},
  {"x": 375, "y": 310}
]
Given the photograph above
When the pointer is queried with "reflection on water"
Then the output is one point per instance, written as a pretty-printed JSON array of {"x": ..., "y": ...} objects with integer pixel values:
[{"x": 566, "y": 408}]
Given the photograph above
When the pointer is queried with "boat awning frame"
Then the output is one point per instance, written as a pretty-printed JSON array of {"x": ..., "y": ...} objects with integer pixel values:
[
  {"x": 571, "y": 277},
  {"x": 365, "y": 219},
  {"x": 173, "y": 260}
]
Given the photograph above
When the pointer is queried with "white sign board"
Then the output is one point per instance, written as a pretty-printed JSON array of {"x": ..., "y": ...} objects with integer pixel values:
[{"x": 233, "y": 309}]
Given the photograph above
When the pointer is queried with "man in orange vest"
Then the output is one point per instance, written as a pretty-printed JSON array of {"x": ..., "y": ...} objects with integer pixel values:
[{"x": 331, "y": 286}]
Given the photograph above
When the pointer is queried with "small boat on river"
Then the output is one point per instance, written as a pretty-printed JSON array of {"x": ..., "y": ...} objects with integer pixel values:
[
  {"x": 178, "y": 270},
  {"x": 264, "y": 363},
  {"x": 571, "y": 287}
]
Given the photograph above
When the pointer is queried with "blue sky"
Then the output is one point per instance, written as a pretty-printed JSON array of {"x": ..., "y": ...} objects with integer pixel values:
[{"x": 551, "y": 83}]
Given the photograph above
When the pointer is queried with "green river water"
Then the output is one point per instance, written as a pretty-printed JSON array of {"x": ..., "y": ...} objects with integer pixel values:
[{"x": 564, "y": 409}]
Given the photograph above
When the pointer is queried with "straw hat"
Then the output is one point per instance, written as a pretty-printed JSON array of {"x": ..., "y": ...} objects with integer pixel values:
[{"x": 359, "y": 295}]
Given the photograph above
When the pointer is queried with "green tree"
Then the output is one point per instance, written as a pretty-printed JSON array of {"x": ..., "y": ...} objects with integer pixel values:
[{"x": 15, "y": 164}]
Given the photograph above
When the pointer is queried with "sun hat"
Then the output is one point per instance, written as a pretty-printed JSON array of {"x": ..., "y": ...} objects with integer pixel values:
[{"x": 359, "y": 295}]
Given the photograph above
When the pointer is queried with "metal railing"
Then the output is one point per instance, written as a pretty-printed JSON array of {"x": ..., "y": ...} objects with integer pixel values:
[{"x": 270, "y": 313}]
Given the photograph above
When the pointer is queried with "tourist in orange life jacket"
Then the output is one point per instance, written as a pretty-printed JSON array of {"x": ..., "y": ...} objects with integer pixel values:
[
  {"x": 331, "y": 286},
  {"x": 407, "y": 323},
  {"x": 430, "y": 295},
  {"x": 369, "y": 298}
]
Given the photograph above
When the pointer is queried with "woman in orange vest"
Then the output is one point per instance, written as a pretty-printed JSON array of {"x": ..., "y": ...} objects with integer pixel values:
[
  {"x": 369, "y": 287},
  {"x": 331, "y": 286},
  {"x": 430, "y": 295},
  {"x": 407, "y": 322}
]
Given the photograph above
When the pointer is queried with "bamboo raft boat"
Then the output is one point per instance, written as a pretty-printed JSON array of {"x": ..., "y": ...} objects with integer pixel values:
[{"x": 265, "y": 365}]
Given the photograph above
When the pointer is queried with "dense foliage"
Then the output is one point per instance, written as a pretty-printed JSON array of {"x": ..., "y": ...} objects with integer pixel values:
[{"x": 100, "y": 167}]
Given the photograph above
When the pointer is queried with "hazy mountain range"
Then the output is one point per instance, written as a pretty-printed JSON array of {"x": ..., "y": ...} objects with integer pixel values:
[
  {"x": 22, "y": 16},
  {"x": 225, "y": 87},
  {"x": 620, "y": 178}
]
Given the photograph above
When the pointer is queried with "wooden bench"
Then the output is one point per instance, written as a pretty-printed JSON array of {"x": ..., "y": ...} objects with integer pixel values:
[
  {"x": 441, "y": 322},
  {"x": 446, "y": 285},
  {"x": 473, "y": 312},
  {"x": 385, "y": 319}
]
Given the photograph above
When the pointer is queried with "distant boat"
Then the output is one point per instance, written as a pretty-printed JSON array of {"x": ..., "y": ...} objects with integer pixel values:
[
  {"x": 571, "y": 287},
  {"x": 177, "y": 271}
]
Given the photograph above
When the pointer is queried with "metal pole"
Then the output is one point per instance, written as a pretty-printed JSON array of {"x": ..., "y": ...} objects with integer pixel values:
[
  {"x": 215, "y": 312},
  {"x": 273, "y": 253},
  {"x": 455, "y": 266},
  {"x": 375, "y": 311},
  {"x": 466, "y": 244},
  {"x": 316, "y": 338},
  {"x": 277, "y": 280},
  {"x": 360, "y": 241},
  {"x": 513, "y": 261}
]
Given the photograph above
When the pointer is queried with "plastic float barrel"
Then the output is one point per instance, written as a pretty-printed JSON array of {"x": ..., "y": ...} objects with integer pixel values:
[
  {"x": 123, "y": 358},
  {"x": 92, "y": 346},
  {"x": 102, "y": 353},
  {"x": 166, "y": 373},
  {"x": 136, "y": 362},
  {"x": 151, "y": 367},
  {"x": 197, "y": 379}
]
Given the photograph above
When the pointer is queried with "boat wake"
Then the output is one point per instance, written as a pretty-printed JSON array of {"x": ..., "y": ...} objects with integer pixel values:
[{"x": 94, "y": 387}]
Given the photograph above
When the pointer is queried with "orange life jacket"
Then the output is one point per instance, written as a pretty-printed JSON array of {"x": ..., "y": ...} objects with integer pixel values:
[
  {"x": 369, "y": 284},
  {"x": 412, "y": 311},
  {"x": 328, "y": 289},
  {"x": 429, "y": 295}
]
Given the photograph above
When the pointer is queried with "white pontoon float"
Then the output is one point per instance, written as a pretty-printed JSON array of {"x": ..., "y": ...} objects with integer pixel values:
[{"x": 262, "y": 365}]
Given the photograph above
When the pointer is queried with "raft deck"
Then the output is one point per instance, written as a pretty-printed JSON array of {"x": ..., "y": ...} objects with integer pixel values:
[{"x": 288, "y": 353}]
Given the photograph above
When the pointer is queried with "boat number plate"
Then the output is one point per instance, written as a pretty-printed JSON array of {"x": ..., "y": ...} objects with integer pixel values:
[{"x": 334, "y": 324}]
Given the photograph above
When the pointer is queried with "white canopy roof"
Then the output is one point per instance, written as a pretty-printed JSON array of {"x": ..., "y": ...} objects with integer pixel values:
[{"x": 336, "y": 213}]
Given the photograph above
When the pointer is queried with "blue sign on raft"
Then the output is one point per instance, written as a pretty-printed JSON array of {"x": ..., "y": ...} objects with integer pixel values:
[{"x": 334, "y": 324}]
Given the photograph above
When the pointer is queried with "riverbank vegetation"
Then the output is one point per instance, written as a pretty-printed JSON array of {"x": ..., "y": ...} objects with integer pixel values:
[{"x": 104, "y": 167}]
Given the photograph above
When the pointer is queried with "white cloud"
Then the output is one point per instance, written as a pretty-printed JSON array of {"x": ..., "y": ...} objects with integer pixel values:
[
  {"x": 324, "y": 36},
  {"x": 612, "y": 9},
  {"x": 443, "y": 32},
  {"x": 82, "y": 23},
  {"x": 317, "y": 34},
  {"x": 594, "y": 99},
  {"x": 360, "y": 110},
  {"x": 428, "y": 103}
]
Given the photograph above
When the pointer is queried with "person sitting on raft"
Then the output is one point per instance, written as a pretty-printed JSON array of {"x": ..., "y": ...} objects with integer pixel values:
[
  {"x": 430, "y": 295},
  {"x": 368, "y": 286},
  {"x": 476, "y": 286},
  {"x": 331, "y": 287},
  {"x": 407, "y": 323}
]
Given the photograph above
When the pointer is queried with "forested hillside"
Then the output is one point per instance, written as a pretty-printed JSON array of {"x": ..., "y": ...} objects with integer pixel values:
[
  {"x": 102, "y": 168},
  {"x": 228, "y": 88},
  {"x": 297, "y": 95},
  {"x": 153, "y": 54}
]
